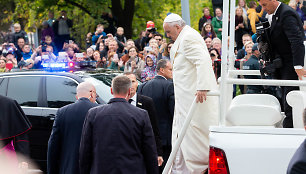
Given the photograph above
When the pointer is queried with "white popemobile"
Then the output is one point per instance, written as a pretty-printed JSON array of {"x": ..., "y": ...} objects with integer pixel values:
[{"x": 249, "y": 138}]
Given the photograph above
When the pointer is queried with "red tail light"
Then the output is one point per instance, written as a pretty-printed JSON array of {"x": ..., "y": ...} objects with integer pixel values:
[
  {"x": 71, "y": 64},
  {"x": 217, "y": 161}
]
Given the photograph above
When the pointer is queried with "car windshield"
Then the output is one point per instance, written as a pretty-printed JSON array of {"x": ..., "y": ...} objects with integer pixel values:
[{"x": 102, "y": 83}]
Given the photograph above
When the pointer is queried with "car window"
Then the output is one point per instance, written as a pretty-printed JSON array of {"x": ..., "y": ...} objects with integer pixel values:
[
  {"x": 61, "y": 91},
  {"x": 3, "y": 86},
  {"x": 24, "y": 90},
  {"x": 102, "y": 84}
]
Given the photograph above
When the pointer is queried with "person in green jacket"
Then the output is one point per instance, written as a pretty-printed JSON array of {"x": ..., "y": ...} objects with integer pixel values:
[{"x": 217, "y": 23}]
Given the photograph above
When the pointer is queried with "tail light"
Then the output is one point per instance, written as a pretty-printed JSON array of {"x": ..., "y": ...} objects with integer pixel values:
[{"x": 217, "y": 161}]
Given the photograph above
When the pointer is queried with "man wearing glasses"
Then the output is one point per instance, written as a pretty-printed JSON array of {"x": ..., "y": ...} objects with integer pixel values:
[{"x": 64, "y": 142}]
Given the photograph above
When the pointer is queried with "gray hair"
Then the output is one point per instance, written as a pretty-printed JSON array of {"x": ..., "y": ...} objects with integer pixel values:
[
  {"x": 84, "y": 88},
  {"x": 216, "y": 40},
  {"x": 181, "y": 23},
  {"x": 161, "y": 64},
  {"x": 121, "y": 85}
]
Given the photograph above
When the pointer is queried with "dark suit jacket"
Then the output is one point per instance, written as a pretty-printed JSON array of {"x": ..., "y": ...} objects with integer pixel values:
[
  {"x": 162, "y": 93},
  {"x": 287, "y": 37},
  {"x": 118, "y": 138},
  {"x": 147, "y": 104},
  {"x": 297, "y": 164},
  {"x": 64, "y": 142}
]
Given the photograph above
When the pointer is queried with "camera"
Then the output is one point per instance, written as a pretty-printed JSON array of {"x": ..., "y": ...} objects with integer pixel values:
[
  {"x": 152, "y": 30},
  {"x": 272, "y": 62},
  {"x": 44, "y": 47}
]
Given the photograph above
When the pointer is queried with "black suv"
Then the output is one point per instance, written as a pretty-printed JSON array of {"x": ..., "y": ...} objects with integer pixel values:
[{"x": 40, "y": 94}]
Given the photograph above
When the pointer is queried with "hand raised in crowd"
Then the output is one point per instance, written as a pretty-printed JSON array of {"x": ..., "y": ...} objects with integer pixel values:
[
  {"x": 100, "y": 39},
  {"x": 115, "y": 58},
  {"x": 38, "y": 49},
  {"x": 65, "y": 46},
  {"x": 89, "y": 35},
  {"x": 13, "y": 46},
  {"x": 120, "y": 63},
  {"x": 201, "y": 95},
  {"x": 163, "y": 45},
  {"x": 103, "y": 59},
  {"x": 133, "y": 64},
  {"x": 160, "y": 160}
]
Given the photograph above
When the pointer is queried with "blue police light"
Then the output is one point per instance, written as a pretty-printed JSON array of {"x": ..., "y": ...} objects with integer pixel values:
[{"x": 54, "y": 65}]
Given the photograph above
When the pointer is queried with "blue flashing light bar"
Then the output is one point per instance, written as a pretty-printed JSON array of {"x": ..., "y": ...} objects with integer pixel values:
[{"x": 54, "y": 65}]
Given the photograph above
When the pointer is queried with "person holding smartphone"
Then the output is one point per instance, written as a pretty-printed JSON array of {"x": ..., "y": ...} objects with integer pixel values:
[{"x": 61, "y": 29}]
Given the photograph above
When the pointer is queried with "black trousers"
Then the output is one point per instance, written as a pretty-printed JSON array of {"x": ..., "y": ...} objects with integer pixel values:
[
  {"x": 166, "y": 154},
  {"x": 288, "y": 122}
]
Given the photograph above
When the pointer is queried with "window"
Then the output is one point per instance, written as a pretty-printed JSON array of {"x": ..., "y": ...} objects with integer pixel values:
[
  {"x": 24, "y": 90},
  {"x": 3, "y": 86},
  {"x": 61, "y": 91}
]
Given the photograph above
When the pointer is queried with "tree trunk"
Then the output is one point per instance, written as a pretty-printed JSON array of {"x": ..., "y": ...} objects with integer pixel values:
[{"x": 125, "y": 16}]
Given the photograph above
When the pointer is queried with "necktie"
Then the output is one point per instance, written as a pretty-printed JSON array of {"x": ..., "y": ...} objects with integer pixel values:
[{"x": 130, "y": 100}]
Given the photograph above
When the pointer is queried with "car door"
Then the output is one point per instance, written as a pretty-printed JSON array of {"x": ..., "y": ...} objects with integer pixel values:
[
  {"x": 26, "y": 90},
  {"x": 58, "y": 91}
]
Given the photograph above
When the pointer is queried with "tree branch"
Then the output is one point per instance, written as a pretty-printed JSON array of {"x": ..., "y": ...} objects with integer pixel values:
[{"x": 80, "y": 7}]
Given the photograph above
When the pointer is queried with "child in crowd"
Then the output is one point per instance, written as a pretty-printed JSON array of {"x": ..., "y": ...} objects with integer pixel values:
[
  {"x": 26, "y": 52},
  {"x": 149, "y": 71},
  {"x": 208, "y": 31},
  {"x": 98, "y": 33},
  {"x": 119, "y": 36},
  {"x": 2, "y": 65},
  {"x": 49, "y": 42}
]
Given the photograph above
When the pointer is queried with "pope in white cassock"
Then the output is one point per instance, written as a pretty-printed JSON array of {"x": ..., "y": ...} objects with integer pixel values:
[{"x": 193, "y": 76}]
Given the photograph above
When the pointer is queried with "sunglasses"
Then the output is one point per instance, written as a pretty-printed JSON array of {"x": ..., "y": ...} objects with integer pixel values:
[{"x": 212, "y": 55}]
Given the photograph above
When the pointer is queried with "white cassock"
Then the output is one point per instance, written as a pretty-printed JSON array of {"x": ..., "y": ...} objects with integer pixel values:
[{"x": 192, "y": 71}]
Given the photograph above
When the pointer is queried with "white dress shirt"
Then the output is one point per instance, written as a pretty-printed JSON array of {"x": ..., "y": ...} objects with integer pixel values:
[{"x": 134, "y": 98}]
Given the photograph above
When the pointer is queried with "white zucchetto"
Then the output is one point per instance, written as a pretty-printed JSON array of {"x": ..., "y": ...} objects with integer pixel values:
[{"x": 172, "y": 18}]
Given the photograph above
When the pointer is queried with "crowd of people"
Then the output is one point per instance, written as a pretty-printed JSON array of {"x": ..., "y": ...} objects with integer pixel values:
[
  {"x": 148, "y": 59},
  {"x": 113, "y": 50}
]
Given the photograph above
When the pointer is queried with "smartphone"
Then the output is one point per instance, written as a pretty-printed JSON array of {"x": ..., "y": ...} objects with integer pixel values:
[
  {"x": 148, "y": 49},
  {"x": 79, "y": 55},
  {"x": 70, "y": 41},
  {"x": 9, "y": 66},
  {"x": 44, "y": 57},
  {"x": 115, "y": 58}
]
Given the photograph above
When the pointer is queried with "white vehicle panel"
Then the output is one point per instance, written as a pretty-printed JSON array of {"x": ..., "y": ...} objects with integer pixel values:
[{"x": 263, "y": 152}]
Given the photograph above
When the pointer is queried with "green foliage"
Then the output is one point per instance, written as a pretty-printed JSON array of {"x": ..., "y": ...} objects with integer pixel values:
[
  {"x": 86, "y": 14},
  {"x": 153, "y": 10}
]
